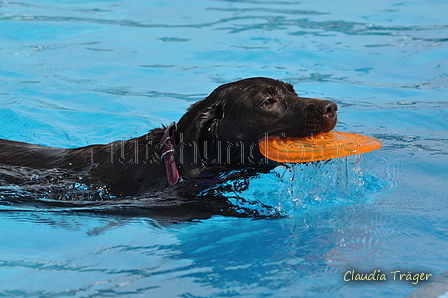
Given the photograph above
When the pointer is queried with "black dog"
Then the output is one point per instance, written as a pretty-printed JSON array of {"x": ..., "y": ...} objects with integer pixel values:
[{"x": 217, "y": 134}]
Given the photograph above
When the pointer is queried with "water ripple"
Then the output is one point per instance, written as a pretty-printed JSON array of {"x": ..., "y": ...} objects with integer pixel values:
[
  {"x": 436, "y": 83},
  {"x": 271, "y": 22},
  {"x": 271, "y": 10}
]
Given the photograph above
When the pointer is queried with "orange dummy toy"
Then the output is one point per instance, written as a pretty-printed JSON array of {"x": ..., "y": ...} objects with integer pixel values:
[{"x": 323, "y": 146}]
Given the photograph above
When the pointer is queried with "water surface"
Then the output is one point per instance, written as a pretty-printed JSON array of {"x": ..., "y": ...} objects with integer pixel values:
[{"x": 75, "y": 73}]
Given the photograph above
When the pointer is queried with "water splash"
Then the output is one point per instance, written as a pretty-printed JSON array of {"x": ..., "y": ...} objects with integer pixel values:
[
  {"x": 305, "y": 187},
  {"x": 286, "y": 190}
]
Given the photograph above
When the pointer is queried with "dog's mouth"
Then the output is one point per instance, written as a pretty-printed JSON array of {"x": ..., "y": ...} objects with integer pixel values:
[{"x": 310, "y": 129}]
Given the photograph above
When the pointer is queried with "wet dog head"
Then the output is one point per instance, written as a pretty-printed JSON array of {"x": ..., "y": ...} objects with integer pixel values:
[{"x": 225, "y": 127}]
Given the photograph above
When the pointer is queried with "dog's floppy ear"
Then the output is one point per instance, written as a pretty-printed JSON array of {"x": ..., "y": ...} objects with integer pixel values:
[{"x": 200, "y": 134}]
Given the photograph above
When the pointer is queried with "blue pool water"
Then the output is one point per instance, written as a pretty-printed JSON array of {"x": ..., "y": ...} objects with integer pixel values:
[{"x": 75, "y": 73}]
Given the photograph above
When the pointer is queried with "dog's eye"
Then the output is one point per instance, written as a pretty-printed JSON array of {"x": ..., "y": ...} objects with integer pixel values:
[{"x": 268, "y": 102}]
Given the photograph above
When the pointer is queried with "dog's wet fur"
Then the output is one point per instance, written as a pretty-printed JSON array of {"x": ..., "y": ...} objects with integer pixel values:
[{"x": 216, "y": 135}]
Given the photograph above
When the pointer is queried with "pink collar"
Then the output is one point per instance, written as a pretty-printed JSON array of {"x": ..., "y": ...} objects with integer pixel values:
[{"x": 167, "y": 146}]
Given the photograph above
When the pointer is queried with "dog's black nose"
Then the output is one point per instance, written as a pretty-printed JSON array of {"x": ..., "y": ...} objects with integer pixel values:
[{"x": 328, "y": 108}]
